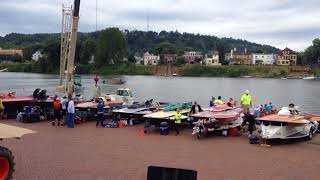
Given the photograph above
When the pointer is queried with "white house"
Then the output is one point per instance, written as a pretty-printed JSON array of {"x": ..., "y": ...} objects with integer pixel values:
[
  {"x": 212, "y": 59},
  {"x": 265, "y": 59},
  {"x": 36, "y": 56},
  {"x": 150, "y": 59}
]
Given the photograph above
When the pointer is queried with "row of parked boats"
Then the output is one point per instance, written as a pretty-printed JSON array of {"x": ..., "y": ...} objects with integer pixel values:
[{"x": 220, "y": 118}]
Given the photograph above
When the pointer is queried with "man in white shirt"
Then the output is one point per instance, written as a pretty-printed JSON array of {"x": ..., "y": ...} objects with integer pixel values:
[
  {"x": 64, "y": 101},
  {"x": 71, "y": 111}
]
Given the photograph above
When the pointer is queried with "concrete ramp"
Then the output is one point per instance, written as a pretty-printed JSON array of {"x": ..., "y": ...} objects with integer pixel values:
[{"x": 8, "y": 131}]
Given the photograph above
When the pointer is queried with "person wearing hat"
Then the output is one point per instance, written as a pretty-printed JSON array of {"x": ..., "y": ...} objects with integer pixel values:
[{"x": 246, "y": 101}]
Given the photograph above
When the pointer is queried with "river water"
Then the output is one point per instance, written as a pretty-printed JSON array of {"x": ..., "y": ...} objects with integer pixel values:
[{"x": 305, "y": 93}]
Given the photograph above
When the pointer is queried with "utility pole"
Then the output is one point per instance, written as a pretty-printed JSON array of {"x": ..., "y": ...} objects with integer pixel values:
[{"x": 96, "y": 15}]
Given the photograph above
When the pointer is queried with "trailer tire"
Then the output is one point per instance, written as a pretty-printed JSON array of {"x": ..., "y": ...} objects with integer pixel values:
[
  {"x": 310, "y": 136},
  {"x": 6, "y": 163}
]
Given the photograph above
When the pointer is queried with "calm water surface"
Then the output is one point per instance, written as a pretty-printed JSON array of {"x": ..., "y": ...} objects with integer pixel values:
[{"x": 305, "y": 93}]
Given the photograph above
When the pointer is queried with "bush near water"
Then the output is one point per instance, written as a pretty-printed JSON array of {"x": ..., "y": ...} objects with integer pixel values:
[{"x": 183, "y": 70}]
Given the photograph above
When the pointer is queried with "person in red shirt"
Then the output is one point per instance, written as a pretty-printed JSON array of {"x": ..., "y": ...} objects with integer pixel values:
[{"x": 57, "y": 108}]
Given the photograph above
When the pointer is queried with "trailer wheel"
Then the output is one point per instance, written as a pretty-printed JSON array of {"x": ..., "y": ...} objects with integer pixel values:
[
  {"x": 310, "y": 136},
  {"x": 6, "y": 163}
]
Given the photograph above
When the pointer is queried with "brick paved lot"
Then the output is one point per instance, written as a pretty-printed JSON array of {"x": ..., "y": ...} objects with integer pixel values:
[{"x": 87, "y": 152}]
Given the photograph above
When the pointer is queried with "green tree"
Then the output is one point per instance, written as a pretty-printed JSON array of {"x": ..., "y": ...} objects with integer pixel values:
[
  {"x": 165, "y": 48},
  {"x": 30, "y": 50},
  {"x": 111, "y": 47},
  {"x": 312, "y": 53},
  {"x": 51, "y": 61},
  {"x": 87, "y": 49},
  {"x": 131, "y": 58}
]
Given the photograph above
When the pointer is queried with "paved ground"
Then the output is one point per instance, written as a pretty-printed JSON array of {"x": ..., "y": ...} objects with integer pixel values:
[{"x": 87, "y": 152}]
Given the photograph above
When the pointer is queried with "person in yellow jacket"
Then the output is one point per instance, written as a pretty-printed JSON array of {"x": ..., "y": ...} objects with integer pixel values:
[
  {"x": 1, "y": 110},
  {"x": 218, "y": 101},
  {"x": 246, "y": 101},
  {"x": 177, "y": 121}
]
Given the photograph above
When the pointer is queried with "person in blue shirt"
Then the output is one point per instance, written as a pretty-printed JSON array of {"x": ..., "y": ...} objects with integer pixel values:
[
  {"x": 211, "y": 102},
  {"x": 100, "y": 110},
  {"x": 267, "y": 108}
]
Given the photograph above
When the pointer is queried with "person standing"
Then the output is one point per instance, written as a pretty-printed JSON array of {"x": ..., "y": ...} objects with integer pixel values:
[
  {"x": 71, "y": 111},
  {"x": 251, "y": 120},
  {"x": 177, "y": 121},
  {"x": 56, "y": 111},
  {"x": 1, "y": 110},
  {"x": 196, "y": 108},
  {"x": 100, "y": 119},
  {"x": 246, "y": 101},
  {"x": 64, "y": 109}
]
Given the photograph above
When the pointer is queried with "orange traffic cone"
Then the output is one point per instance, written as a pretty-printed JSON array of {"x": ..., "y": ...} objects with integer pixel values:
[
  {"x": 141, "y": 133},
  {"x": 120, "y": 124}
]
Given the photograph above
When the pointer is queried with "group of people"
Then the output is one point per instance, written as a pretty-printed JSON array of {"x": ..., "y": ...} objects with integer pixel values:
[
  {"x": 63, "y": 109},
  {"x": 214, "y": 102},
  {"x": 265, "y": 109},
  {"x": 196, "y": 108}
]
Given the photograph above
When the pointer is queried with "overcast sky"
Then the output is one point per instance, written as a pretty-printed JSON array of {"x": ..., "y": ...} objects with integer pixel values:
[{"x": 281, "y": 23}]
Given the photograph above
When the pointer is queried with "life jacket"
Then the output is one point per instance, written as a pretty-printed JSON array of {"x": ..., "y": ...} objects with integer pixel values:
[{"x": 57, "y": 105}]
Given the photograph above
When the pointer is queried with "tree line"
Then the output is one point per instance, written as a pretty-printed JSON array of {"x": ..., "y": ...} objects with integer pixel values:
[{"x": 111, "y": 46}]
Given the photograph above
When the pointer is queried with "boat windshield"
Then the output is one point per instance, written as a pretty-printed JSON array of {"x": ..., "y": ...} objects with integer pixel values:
[
  {"x": 124, "y": 93},
  {"x": 274, "y": 123}
]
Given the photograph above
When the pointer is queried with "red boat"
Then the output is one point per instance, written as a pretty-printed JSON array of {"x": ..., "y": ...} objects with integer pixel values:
[{"x": 211, "y": 121}]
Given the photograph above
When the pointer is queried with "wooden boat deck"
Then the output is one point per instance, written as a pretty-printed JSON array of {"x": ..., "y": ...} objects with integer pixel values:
[{"x": 296, "y": 119}]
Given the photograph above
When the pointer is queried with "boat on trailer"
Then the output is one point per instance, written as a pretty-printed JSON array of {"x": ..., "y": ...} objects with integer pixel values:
[
  {"x": 216, "y": 119},
  {"x": 288, "y": 126}
]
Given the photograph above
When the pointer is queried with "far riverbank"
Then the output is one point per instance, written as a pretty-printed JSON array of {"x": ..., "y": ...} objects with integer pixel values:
[{"x": 184, "y": 70}]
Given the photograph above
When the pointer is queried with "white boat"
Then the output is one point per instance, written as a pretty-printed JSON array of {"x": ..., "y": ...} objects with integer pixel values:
[
  {"x": 288, "y": 126},
  {"x": 4, "y": 70},
  {"x": 125, "y": 95},
  {"x": 309, "y": 78}
]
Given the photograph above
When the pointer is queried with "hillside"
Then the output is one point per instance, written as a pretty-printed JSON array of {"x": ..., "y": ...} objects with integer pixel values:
[{"x": 139, "y": 40}]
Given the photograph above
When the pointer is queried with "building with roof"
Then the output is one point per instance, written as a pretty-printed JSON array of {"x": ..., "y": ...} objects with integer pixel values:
[
  {"x": 150, "y": 59},
  {"x": 10, "y": 52},
  {"x": 192, "y": 57},
  {"x": 264, "y": 59},
  {"x": 287, "y": 57},
  {"x": 238, "y": 57},
  {"x": 212, "y": 59},
  {"x": 168, "y": 58}
]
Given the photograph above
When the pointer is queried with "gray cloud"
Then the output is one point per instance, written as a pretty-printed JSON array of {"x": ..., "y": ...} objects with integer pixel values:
[{"x": 292, "y": 23}]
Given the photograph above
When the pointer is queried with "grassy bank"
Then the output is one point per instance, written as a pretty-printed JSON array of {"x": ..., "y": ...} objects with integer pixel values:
[
  {"x": 234, "y": 71},
  {"x": 121, "y": 69},
  {"x": 185, "y": 70}
]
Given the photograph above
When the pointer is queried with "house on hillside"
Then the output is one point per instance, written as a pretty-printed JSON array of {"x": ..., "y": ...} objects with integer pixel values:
[
  {"x": 238, "y": 57},
  {"x": 150, "y": 59},
  {"x": 37, "y": 55},
  {"x": 168, "y": 58},
  {"x": 10, "y": 52},
  {"x": 264, "y": 59},
  {"x": 287, "y": 57},
  {"x": 212, "y": 59},
  {"x": 192, "y": 57}
]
